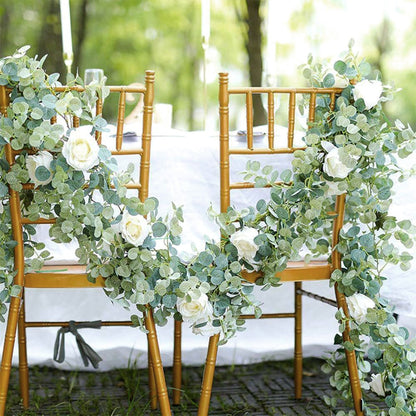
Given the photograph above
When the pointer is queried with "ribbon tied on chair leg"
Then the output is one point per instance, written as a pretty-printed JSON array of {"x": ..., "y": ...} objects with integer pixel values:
[{"x": 87, "y": 353}]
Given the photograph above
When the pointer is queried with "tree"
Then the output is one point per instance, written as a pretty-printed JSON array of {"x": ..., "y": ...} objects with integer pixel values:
[
  {"x": 6, "y": 11},
  {"x": 81, "y": 29},
  {"x": 252, "y": 23},
  {"x": 50, "y": 38}
]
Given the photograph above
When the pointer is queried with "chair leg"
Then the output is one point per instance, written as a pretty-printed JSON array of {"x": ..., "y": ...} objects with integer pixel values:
[
  {"x": 298, "y": 359},
  {"x": 23, "y": 366},
  {"x": 206, "y": 389},
  {"x": 152, "y": 380},
  {"x": 177, "y": 363},
  {"x": 162, "y": 392},
  {"x": 351, "y": 359},
  {"x": 6, "y": 361}
]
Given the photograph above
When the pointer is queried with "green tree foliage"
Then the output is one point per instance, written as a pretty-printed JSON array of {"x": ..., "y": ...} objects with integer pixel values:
[{"x": 128, "y": 36}]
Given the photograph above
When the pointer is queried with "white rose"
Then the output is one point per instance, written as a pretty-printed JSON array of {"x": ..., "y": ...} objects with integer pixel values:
[
  {"x": 207, "y": 330},
  {"x": 134, "y": 228},
  {"x": 42, "y": 159},
  {"x": 243, "y": 240},
  {"x": 333, "y": 165},
  {"x": 358, "y": 305},
  {"x": 377, "y": 385},
  {"x": 198, "y": 309},
  {"x": 369, "y": 91},
  {"x": 81, "y": 150}
]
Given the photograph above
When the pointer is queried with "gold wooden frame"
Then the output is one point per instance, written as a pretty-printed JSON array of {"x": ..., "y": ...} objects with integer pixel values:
[{"x": 76, "y": 276}]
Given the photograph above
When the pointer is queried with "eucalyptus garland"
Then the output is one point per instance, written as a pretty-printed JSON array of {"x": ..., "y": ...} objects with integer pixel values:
[
  {"x": 353, "y": 149},
  {"x": 78, "y": 182}
]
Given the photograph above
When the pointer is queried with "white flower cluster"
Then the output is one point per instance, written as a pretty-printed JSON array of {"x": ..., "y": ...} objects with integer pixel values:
[
  {"x": 243, "y": 240},
  {"x": 134, "y": 228},
  {"x": 196, "y": 309},
  {"x": 42, "y": 160},
  {"x": 81, "y": 150},
  {"x": 370, "y": 91},
  {"x": 358, "y": 305},
  {"x": 377, "y": 384}
]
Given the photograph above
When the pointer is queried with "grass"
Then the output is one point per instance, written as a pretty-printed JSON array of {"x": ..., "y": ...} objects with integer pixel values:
[{"x": 250, "y": 390}]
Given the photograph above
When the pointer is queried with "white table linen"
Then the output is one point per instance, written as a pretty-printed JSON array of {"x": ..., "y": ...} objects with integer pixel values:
[{"x": 185, "y": 169}]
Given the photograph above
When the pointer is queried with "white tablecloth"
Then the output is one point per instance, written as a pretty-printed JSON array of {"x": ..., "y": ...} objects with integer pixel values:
[{"x": 185, "y": 169}]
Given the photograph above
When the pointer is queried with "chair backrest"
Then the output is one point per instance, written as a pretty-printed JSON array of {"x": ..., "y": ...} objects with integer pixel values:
[
  {"x": 143, "y": 152},
  {"x": 272, "y": 94}
]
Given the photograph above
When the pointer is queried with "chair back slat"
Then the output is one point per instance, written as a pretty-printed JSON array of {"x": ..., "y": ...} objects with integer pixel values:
[
  {"x": 249, "y": 116},
  {"x": 226, "y": 151},
  {"x": 98, "y": 111},
  {"x": 120, "y": 119},
  {"x": 15, "y": 214},
  {"x": 291, "y": 119},
  {"x": 270, "y": 119},
  {"x": 146, "y": 134},
  {"x": 312, "y": 107}
]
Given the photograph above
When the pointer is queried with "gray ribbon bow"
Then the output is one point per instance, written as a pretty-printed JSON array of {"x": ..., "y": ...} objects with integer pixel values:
[{"x": 87, "y": 353}]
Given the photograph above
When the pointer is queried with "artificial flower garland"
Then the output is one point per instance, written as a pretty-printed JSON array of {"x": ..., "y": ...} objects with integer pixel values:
[{"x": 351, "y": 149}]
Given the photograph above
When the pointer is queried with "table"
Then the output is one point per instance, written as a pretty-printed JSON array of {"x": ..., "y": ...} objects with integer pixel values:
[{"x": 185, "y": 169}]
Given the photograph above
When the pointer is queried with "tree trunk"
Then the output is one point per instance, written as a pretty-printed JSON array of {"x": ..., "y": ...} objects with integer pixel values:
[
  {"x": 194, "y": 61},
  {"x": 5, "y": 28},
  {"x": 50, "y": 39},
  {"x": 253, "y": 47},
  {"x": 81, "y": 31},
  {"x": 383, "y": 43}
]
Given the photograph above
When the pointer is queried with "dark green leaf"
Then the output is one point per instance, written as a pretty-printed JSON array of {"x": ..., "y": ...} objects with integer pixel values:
[
  {"x": 282, "y": 213},
  {"x": 329, "y": 80},
  {"x": 340, "y": 67},
  {"x": 367, "y": 241},
  {"x": 221, "y": 261},
  {"x": 159, "y": 229},
  {"x": 384, "y": 193},
  {"x": 353, "y": 231},
  {"x": 358, "y": 256},
  {"x": 205, "y": 258},
  {"x": 169, "y": 300},
  {"x": 286, "y": 175},
  {"x": 217, "y": 277},
  {"x": 261, "y": 206},
  {"x": 42, "y": 173},
  {"x": 94, "y": 180},
  {"x": 360, "y": 105},
  {"x": 374, "y": 353},
  {"x": 111, "y": 197}
]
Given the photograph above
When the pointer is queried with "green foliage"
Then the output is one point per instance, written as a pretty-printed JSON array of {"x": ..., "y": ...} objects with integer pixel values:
[
  {"x": 371, "y": 237},
  {"x": 352, "y": 149},
  {"x": 132, "y": 268}
]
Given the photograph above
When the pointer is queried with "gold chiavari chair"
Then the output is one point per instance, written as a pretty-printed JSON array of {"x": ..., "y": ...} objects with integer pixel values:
[
  {"x": 296, "y": 272},
  {"x": 75, "y": 275}
]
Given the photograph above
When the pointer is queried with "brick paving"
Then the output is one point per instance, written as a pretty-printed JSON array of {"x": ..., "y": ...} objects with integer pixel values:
[{"x": 249, "y": 390}]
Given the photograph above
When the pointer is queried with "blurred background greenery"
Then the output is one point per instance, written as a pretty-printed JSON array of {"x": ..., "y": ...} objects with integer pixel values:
[{"x": 126, "y": 37}]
